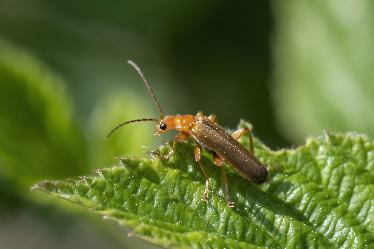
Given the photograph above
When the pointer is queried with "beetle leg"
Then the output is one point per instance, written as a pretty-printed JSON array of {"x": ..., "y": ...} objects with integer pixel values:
[
  {"x": 237, "y": 134},
  {"x": 197, "y": 158},
  {"x": 213, "y": 117},
  {"x": 217, "y": 161},
  {"x": 179, "y": 136}
]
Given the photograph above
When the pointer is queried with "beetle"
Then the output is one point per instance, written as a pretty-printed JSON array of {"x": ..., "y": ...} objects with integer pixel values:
[{"x": 208, "y": 135}]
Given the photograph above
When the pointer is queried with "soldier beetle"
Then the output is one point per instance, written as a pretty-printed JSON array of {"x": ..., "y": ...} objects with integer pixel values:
[{"x": 209, "y": 135}]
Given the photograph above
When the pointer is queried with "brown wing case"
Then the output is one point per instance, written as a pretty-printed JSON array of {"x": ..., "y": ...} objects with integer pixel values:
[{"x": 212, "y": 137}]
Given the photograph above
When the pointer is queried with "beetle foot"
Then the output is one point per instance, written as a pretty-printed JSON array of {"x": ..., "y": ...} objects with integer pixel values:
[
  {"x": 206, "y": 195},
  {"x": 275, "y": 166},
  {"x": 154, "y": 154}
]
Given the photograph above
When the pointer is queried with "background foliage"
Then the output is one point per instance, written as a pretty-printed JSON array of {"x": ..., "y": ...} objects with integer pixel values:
[{"x": 290, "y": 69}]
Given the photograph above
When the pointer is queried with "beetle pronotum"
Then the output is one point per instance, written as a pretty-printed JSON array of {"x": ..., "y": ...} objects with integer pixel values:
[{"x": 209, "y": 135}]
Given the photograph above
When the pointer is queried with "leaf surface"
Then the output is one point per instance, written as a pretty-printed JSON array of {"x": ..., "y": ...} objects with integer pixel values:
[{"x": 323, "y": 197}]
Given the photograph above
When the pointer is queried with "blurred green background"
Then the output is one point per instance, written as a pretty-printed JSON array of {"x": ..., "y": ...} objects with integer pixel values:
[{"x": 291, "y": 68}]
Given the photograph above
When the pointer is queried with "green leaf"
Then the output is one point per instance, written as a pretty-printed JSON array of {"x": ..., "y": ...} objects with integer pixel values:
[
  {"x": 38, "y": 137},
  {"x": 109, "y": 112},
  {"x": 322, "y": 198}
]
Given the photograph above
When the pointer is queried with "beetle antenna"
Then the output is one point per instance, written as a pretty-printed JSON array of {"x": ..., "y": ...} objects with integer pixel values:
[
  {"x": 132, "y": 121},
  {"x": 148, "y": 86}
]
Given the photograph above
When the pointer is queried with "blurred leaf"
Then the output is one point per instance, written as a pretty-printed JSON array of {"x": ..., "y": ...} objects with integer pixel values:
[
  {"x": 37, "y": 136},
  {"x": 111, "y": 111},
  {"x": 323, "y": 197},
  {"x": 324, "y": 66}
]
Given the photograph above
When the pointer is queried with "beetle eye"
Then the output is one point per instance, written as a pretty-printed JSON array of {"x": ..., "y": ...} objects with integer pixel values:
[{"x": 163, "y": 126}]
